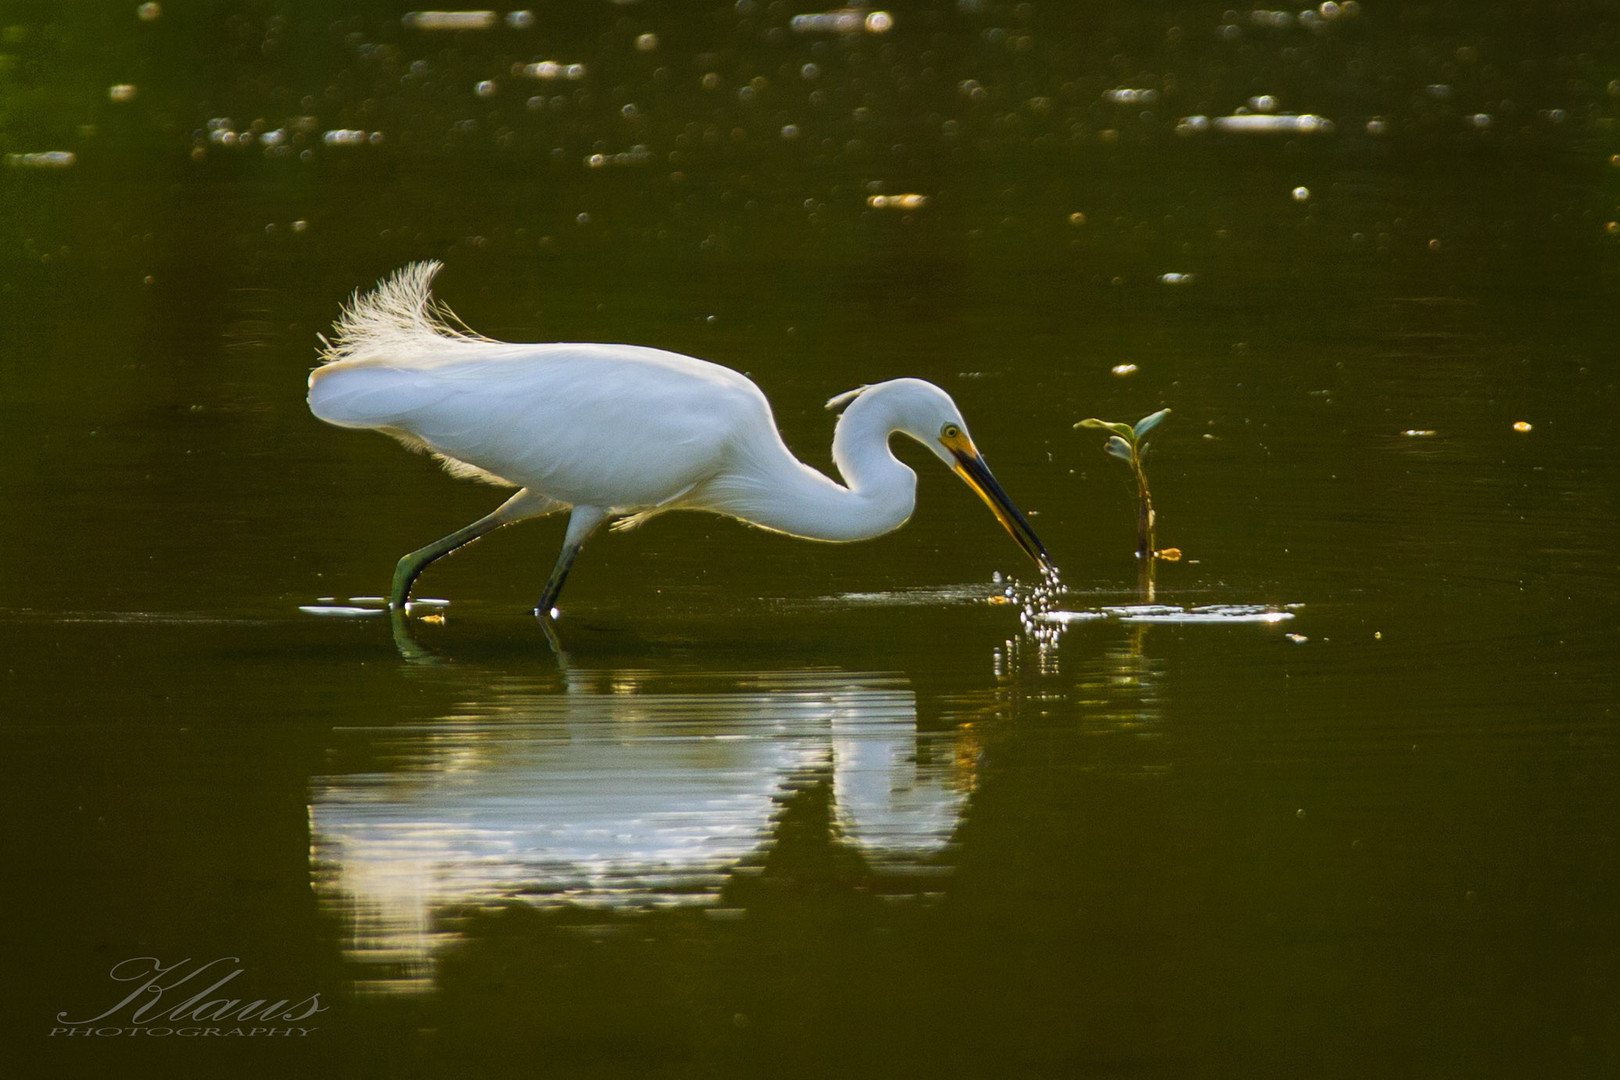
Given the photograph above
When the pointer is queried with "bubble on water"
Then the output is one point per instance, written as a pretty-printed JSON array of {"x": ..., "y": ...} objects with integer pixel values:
[
  {"x": 897, "y": 202},
  {"x": 43, "y": 159},
  {"x": 450, "y": 20},
  {"x": 1268, "y": 124},
  {"x": 849, "y": 20},
  {"x": 1302, "y": 194},
  {"x": 552, "y": 70},
  {"x": 647, "y": 43}
]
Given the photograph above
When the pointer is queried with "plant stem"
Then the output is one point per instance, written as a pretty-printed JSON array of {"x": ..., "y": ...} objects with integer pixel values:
[{"x": 1145, "y": 547}]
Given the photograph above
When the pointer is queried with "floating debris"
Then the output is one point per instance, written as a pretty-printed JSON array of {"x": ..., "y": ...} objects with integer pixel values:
[
  {"x": 450, "y": 20},
  {"x": 47, "y": 159},
  {"x": 1420, "y": 433},
  {"x": 897, "y": 202},
  {"x": 121, "y": 92},
  {"x": 340, "y": 611},
  {"x": 1124, "y": 369},
  {"x": 843, "y": 21},
  {"x": 1521, "y": 426},
  {"x": 149, "y": 12},
  {"x": 1177, "y": 279}
]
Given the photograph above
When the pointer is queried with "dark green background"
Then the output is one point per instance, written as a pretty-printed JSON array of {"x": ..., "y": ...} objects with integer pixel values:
[{"x": 1385, "y": 848}]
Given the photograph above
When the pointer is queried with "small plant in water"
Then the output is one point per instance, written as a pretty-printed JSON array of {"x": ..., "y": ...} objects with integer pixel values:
[{"x": 1128, "y": 442}]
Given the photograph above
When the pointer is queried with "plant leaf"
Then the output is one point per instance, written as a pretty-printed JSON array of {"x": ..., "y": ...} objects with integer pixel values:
[
  {"x": 1148, "y": 423},
  {"x": 1093, "y": 422},
  {"x": 1118, "y": 447}
]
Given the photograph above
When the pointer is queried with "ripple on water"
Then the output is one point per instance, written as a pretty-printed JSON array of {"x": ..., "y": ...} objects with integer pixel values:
[
  {"x": 360, "y": 607},
  {"x": 1174, "y": 613}
]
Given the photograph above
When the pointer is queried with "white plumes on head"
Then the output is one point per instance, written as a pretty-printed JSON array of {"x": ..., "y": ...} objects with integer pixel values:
[
  {"x": 397, "y": 318},
  {"x": 838, "y": 401}
]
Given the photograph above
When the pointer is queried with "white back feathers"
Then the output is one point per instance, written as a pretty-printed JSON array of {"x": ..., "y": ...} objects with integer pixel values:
[{"x": 397, "y": 319}]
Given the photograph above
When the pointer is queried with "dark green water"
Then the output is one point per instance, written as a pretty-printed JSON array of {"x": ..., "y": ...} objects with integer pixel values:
[{"x": 781, "y": 808}]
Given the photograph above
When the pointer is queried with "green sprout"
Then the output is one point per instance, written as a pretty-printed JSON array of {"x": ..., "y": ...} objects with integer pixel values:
[{"x": 1128, "y": 442}]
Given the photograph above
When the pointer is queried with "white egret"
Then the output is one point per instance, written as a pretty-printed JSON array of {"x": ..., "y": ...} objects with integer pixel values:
[{"x": 622, "y": 432}]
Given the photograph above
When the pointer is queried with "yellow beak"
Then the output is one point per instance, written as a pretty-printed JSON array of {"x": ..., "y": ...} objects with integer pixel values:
[{"x": 975, "y": 473}]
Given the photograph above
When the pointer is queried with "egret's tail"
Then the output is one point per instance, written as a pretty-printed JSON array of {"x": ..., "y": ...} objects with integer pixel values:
[
  {"x": 372, "y": 370},
  {"x": 364, "y": 395},
  {"x": 378, "y": 370}
]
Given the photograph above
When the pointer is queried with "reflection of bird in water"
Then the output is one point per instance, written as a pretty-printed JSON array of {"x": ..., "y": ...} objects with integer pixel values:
[
  {"x": 620, "y": 790},
  {"x": 623, "y": 431}
]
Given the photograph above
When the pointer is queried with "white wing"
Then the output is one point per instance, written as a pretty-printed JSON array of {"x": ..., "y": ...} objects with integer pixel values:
[{"x": 608, "y": 425}]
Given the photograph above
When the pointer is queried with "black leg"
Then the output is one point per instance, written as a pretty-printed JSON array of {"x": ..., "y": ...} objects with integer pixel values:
[
  {"x": 525, "y": 504},
  {"x": 581, "y": 524}
]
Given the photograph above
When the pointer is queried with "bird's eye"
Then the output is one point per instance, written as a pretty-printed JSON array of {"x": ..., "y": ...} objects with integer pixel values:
[{"x": 950, "y": 431}]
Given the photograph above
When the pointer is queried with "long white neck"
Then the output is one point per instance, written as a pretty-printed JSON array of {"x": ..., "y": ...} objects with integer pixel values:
[{"x": 779, "y": 492}]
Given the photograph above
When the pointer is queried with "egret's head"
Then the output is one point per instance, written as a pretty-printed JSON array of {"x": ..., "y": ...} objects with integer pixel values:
[{"x": 927, "y": 414}]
